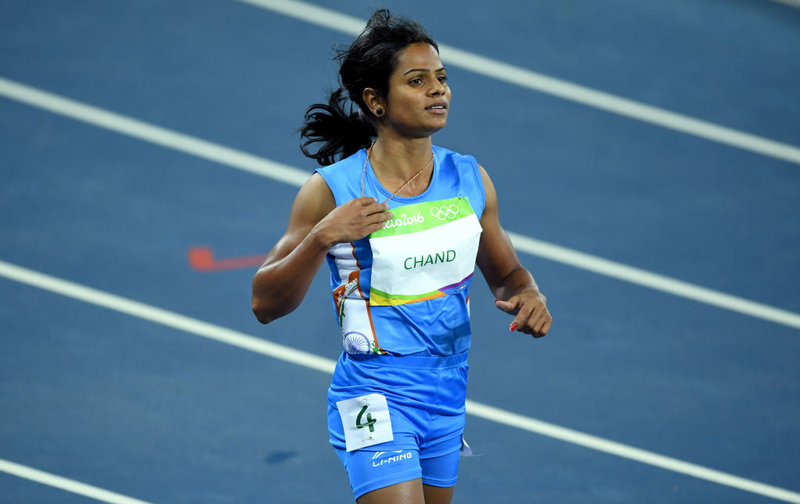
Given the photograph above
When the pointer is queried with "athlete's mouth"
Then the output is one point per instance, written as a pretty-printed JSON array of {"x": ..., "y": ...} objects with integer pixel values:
[{"x": 437, "y": 106}]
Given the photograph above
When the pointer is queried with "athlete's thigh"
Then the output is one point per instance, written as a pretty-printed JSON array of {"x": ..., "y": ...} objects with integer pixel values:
[
  {"x": 407, "y": 492},
  {"x": 438, "y": 495}
]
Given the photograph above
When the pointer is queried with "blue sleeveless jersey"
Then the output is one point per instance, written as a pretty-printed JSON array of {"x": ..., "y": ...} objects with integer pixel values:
[{"x": 435, "y": 321}]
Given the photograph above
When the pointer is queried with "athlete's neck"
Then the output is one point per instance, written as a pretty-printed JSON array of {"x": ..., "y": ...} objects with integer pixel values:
[{"x": 395, "y": 161}]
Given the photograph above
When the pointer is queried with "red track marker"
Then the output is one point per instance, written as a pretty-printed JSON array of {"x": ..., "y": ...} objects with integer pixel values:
[{"x": 202, "y": 259}]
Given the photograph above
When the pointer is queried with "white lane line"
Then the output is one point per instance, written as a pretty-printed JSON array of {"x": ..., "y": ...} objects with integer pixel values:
[
  {"x": 653, "y": 281},
  {"x": 164, "y": 317},
  {"x": 151, "y": 133},
  {"x": 629, "y": 452},
  {"x": 790, "y": 3},
  {"x": 549, "y": 85},
  {"x": 311, "y": 361},
  {"x": 69, "y": 485},
  {"x": 294, "y": 176}
]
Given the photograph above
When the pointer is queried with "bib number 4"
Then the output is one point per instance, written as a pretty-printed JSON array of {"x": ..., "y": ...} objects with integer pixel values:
[
  {"x": 369, "y": 423},
  {"x": 365, "y": 420}
]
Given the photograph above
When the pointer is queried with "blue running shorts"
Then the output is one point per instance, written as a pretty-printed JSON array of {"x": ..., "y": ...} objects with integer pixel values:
[{"x": 426, "y": 399}]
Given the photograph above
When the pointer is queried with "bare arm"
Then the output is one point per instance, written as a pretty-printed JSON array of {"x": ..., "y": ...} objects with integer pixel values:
[
  {"x": 315, "y": 225},
  {"x": 512, "y": 285}
]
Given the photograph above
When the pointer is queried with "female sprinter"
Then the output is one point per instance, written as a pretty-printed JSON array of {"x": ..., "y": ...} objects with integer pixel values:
[{"x": 402, "y": 224}]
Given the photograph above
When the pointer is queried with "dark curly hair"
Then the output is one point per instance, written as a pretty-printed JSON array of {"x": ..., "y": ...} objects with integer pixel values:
[{"x": 367, "y": 63}]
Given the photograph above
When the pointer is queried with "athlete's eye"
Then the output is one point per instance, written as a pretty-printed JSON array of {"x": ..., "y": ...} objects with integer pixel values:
[
  {"x": 416, "y": 81},
  {"x": 442, "y": 79}
]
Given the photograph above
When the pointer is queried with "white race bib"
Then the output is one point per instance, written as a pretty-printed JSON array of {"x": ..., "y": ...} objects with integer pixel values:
[
  {"x": 427, "y": 251},
  {"x": 365, "y": 420}
]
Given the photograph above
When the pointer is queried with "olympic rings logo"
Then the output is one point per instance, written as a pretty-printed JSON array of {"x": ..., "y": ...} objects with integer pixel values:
[{"x": 445, "y": 212}]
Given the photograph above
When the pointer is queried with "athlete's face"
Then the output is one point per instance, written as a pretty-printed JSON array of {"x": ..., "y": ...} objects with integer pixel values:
[{"x": 419, "y": 97}]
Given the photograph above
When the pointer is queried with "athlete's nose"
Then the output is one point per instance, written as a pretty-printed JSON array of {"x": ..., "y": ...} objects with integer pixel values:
[{"x": 437, "y": 88}]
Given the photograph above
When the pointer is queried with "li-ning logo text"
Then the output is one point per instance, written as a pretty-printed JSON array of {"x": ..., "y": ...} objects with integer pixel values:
[{"x": 389, "y": 460}]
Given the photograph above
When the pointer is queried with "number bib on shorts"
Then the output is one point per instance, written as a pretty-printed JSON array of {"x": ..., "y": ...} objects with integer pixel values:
[
  {"x": 427, "y": 251},
  {"x": 365, "y": 420}
]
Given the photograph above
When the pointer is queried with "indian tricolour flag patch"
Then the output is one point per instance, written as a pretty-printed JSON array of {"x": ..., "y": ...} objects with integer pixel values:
[{"x": 427, "y": 251}]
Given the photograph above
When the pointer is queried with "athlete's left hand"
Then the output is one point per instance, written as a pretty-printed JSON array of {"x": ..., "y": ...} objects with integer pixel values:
[{"x": 530, "y": 310}]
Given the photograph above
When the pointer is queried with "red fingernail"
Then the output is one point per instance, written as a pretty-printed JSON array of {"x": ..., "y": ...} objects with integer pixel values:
[{"x": 513, "y": 327}]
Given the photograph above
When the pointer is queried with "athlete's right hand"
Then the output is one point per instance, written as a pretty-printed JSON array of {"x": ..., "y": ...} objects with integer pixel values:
[{"x": 354, "y": 220}]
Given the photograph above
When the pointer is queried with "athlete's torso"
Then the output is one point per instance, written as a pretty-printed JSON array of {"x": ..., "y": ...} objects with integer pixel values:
[{"x": 404, "y": 289}]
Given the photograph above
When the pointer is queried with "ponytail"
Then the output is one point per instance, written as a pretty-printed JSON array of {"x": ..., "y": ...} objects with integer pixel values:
[{"x": 340, "y": 132}]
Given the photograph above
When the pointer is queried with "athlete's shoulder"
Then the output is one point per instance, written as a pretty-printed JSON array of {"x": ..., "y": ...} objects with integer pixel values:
[
  {"x": 465, "y": 169},
  {"x": 456, "y": 158},
  {"x": 345, "y": 166},
  {"x": 344, "y": 177}
]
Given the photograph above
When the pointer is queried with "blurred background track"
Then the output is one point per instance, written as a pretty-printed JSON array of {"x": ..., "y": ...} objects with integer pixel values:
[{"x": 135, "y": 132}]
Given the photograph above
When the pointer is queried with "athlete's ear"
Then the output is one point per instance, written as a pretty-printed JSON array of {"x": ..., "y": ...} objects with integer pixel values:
[{"x": 374, "y": 102}]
